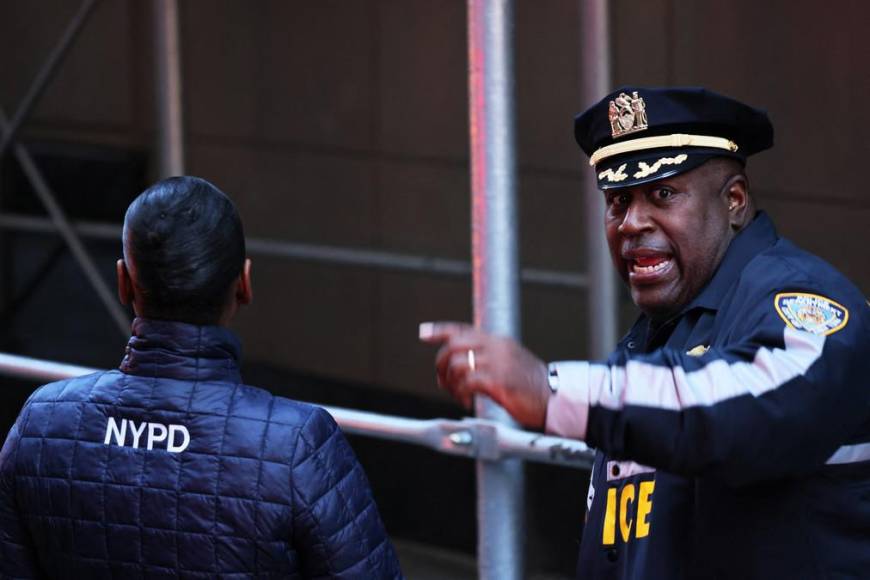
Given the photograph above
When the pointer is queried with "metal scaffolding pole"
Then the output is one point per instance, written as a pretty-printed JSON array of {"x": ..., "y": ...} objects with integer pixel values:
[
  {"x": 167, "y": 82},
  {"x": 603, "y": 314},
  {"x": 495, "y": 265}
]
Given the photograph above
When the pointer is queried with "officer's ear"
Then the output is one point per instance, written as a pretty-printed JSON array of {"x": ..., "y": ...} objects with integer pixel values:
[
  {"x": 736, "y": 195},
  {"x": 125, "y": 283}
]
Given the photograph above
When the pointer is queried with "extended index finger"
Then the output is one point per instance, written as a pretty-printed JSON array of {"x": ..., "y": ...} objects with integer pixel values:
[{"x": 441, "y": 331}]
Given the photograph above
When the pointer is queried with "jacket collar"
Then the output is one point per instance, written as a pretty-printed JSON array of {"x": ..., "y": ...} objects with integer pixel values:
[
  {"x": 759, "y": 235},
  {"x": 162, "y": 348}
]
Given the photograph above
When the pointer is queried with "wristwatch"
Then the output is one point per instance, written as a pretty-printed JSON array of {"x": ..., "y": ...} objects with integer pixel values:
[{"x": 553, "y": 377}]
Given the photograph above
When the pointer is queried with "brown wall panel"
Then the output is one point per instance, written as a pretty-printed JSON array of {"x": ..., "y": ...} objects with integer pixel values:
[
  {"x": 422, "y": 87},
  {"x": 222, "y": 50},
  {"x": 641, "y": 42},
  {"x": 293, "y": 194},
  {"x": 283, "y": 72},
  {"x": 801, "y": 62},
  {"x": 551, "y": 216},
  {"x": 554, "y": 322},
  {"x": 310, "y": 317},
  {"x": 94, "y": 85},
  {"x": 838, "y": 234},
  {"x": 28, "y": 32},
  {"x": 424, "y": 208},
  {"x": 547, "y": 86},
  {"x": 318, "y": 72},
  {"x": 401, "y": 362}
]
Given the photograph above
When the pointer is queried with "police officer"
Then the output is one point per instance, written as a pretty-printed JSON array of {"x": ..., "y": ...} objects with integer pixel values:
[
  {"x": 170, "y": 466},
  {"x": 732, "y": 422}
]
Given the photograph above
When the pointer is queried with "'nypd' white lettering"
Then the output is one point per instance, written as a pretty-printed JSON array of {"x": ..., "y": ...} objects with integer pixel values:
[
  {"x": 185, "y": 438},
  {"x": 137, "y": 433},
  {"x": 152, "y": 427},
  {"x": 157, "y": 433},
  {"x": 112, "y": 429}
]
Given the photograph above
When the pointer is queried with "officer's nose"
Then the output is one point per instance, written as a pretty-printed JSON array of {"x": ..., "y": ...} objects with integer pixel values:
[{"x": 636, "y": 220}]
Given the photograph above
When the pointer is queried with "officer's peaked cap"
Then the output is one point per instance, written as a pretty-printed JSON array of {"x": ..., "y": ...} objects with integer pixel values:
[{"x": 638, "y": 134}]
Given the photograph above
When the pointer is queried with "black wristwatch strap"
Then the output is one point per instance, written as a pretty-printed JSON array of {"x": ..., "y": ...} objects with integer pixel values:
[{"x": 553, "y": 377}]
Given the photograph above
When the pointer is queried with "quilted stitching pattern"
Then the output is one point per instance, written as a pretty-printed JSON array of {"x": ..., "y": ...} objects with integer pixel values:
[{"x": 266, "y": 486}]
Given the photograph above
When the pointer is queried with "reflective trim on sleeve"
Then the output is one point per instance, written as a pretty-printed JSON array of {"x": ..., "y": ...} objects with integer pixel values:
[
  {"x": 672, "y": 388},
  {"x": 850, "y": 454},
  {"x": 644, "y": 384},
  {"x": 568, "y": 408}
]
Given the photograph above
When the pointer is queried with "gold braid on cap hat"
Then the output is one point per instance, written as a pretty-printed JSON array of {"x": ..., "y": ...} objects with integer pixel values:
[{"x": 675, "y": 140}]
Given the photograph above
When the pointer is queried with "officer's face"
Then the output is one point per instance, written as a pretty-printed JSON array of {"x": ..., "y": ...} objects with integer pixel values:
[{"x": 667, "y": 237}]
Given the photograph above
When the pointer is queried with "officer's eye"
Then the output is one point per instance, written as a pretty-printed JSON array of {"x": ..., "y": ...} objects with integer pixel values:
[
  {"x": 618, "y": 199},
  {"x": 663, "y": 193}
]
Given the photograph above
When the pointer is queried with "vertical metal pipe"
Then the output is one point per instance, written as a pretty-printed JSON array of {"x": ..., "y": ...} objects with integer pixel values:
[
  {"x": 603, "y": 308},
  {"x": 495, "y": 264},
  {"x": 167, "y": 82}
]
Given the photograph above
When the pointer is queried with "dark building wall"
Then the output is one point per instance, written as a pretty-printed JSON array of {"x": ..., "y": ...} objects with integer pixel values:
[
  {"x": 102, "y": 92},
  {"x": 345, "y": 123}
]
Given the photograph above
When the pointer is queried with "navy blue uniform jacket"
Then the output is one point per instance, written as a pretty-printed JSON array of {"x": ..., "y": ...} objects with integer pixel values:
[
  {"x": 171, "y": 466},
  {"x": 734, "y": 440}
]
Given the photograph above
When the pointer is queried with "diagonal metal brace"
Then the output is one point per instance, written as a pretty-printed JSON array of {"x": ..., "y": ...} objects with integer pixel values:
[
  {"x": 61, "y": 222},
  {"x": 45, "y": 73}
]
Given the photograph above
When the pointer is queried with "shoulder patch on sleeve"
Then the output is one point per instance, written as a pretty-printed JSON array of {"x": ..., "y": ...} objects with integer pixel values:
[{"x": 811, "y": 312}]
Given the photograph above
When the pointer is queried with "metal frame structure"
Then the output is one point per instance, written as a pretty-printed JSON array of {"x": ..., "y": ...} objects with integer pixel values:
[
  {"x": 9, "y": 128},
  {"x": 327, "y": 254},
  {"x": 491, "y": 438},
  {"x": 470, "y": 437},
  {"x": 167, "y": 83}
]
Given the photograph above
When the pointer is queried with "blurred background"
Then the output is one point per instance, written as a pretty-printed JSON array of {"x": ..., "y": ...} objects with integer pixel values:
[{"x": 344, "y": 124}]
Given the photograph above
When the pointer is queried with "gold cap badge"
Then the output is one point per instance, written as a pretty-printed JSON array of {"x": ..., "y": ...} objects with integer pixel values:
[{"x": 627, "y": 114}]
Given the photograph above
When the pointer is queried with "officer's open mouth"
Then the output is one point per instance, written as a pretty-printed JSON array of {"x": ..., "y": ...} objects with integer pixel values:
[
  {"x": 649, "y": 265},
  {"x": 646, "y": 266}
]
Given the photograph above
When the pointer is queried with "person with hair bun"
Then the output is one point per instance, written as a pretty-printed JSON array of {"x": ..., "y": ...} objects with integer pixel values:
[{"x": 170, "y": 465}]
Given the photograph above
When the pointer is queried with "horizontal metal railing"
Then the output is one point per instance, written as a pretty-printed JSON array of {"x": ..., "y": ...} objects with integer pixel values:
[
  {"x": 470, "y": 437},
  {"x": 336, "y": 255}
]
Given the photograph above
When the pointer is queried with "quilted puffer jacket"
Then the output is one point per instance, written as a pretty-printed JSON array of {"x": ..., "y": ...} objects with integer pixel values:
[{"x": 171, "y": 466}]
